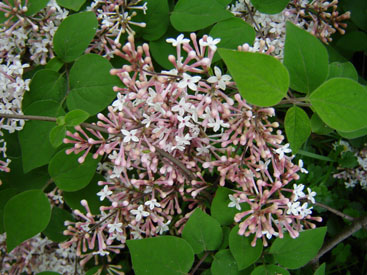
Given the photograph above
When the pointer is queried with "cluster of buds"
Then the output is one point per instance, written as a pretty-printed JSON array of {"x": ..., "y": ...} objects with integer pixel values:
[
  {"x": 115, "y": 18},
  {"x": 165, "y": 134}
]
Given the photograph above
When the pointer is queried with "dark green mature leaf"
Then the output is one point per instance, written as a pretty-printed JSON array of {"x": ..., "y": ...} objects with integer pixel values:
[
  {"x": 320, "y": 270},
  {"x": 5, "y": 195},
  {"x": 261, "y": 79},
  {"x": 270, "y": 6},
  {"x": 75, "y": 117},
  {"x": 164, "y": 255},
  {"x": 55, "y": 228},
  {"x": 295, "y": 253},
  {"x": 358, "y": 9},
  {"x": 269, "y": 270},
  {"x": 202, "y": 232},
  {"x": 192, "y": 15},
  {"x": 74, "y": 35},
  {"x": 70, "y": 175},
  {"x": 297, "y": 127},
  {"x": 342, "y": 104},
  {"x": 88, "y": 193},
  {"x": 224, "y": 263},
  {"x": 219, "y": 208},
  {"x": 232, "y": 32},
  {"x": 74, "y": 5},
  {"x": 57, "y": 134},
  {"x": 157, "y": 19},
  {"x": 25, "y": 215},
  {"x": 306, "y": 59},
  {"x": 345, "y": 69},
  {"x": 55, "y": 64},
  {"x": 91, "y": 84},
  {"x": 242, "y": 250},
  {"x": 45, "y": 84},
  {"x": 318, "y": 126},
  {"x": 35, "y": 6},
  {"x": 36, "y": 147}
]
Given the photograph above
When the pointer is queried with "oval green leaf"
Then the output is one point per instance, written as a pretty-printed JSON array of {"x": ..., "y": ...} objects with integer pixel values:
[
  {"x": 75, "y": 117},
  {"x": 261, "y": 79},
  {"x": 306, "y": 59},
  {"x": 297, "y": 127},
  {"x": 270, "y": 6},
  {"x": 242, "y": 250},
  {"x": 164, "y": 255},
  {"x": 192, "y": 15},
  {"x": 74, "y": 35},
  {"x": 68, "y": 173},
  {"x": 202, "y": 232},
  {"x": 35, "y": 6},
  {"x": 157, "y": 19},
  {"x": 269, "y": 270},
  {"x": 74, "y": 5},
  {"x": 318, "y": 126},
  {"x": 224, "y": 263},
  {"x": 342, "y": 104},
  {"x": 25, "y": 215},
  {"x": 295, "y": 253},
  {"x": 355, "y": 134},
  {"x": 91, "y": 84},
  {"x": 345, "y": 69},
  {"x": 5, "y": 195},
  {"x": 320, "y": 270},
  {"x": 57, "y": 134},
  {"x": 55, "y": 228}
]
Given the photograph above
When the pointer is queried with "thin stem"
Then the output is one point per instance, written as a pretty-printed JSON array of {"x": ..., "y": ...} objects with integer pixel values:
[
  {"x": 199, "y": 263},
  {"x": 336, "y": 212}
]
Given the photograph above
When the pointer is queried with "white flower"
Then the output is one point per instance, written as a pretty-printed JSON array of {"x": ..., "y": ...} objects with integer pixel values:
[
  {"x": 104, "y": 193},
  {"x": 217, "y": 124},
  {"x": 147, "y": 120},
  {"x": 297, "y": 192},
  {"x": 130, "y": 135},
  {"x": 152, "y": 203},
  {"x": 118, "y": 104},
  {"x": 293, "y": 208},
  {"x": 183, "y": 140},
  {"x": 189, "y": 81},
  {"x": 115, "y": 227},
  {"x": 235, "y": 202},
  {"x": 177, "y": 42},
  {"x": 219, "y": 79},
  {"x": 203, "y": 150},
  {"x": 139, "y": 213},
  {"x": 210, "y": 42},
  {"x": 300, "y": 165},
  {"x": 283, "y": 150},
  {"x": 350, "y": 184},
  {"x": 101, "y": 253},
  {"x": 311, "y": 195},
  {"x": 161, "y": 228},
  {"x": 304, "y": 211},
  {"x": 181, "y": 107},
  {"x": 184, "y": 121}
]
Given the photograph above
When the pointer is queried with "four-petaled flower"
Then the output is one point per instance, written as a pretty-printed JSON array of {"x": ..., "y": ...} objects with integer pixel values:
[
  {"x": 177, "y": 42},
  {"x": 311, "y": 195},
  {"x": 298, "y": 191},
  {"x": 283, "y": 150},
  {"x": 139, "y": 213},
  {"x": 220, "y": 79},
  {"x": 300, "y": 165},
  {"x": 115, "y": 227},
  {"x": 210, "y": 42},
  {"x": 189, "y": 81},
  {"x": 161, "y": 228},
  {"x": 130, "y": 135},
  {"x": 235, "y": 202},
  {"x": 152, "y": 203},
  {"x": 104, "y": 193}
]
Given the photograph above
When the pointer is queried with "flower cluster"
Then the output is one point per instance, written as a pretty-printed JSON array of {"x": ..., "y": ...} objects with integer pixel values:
[
  {"x": 36, "y": 255},
  {"x": 319, "y": 17},
  {"x": 164, "y": 135}
]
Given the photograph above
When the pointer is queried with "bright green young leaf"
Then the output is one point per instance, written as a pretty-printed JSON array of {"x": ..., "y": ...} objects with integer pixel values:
[
  {"x": 355, "y": 134},
  {"x": 35, "y": 6},
  {"x": 88, "y": 193},
  {"x": 224, "y": 263},
  {"x": 74, "y": 5},
  {"x": 74, "y": 35},
  {"x": 219, "y": 208},
  {"x": 320, "y": 270},
  {"x": 318, "y": 126},
  {"x": 5, "y": 195},
  {"x": 242, "y": 250},
  {"x": 36, "y": 147},
  {"x": 55, "y": 64},
  {"x": 345, "y": 69},
  {"x": 45, "y": 84},
  {"x": 25, "y": 215},
  {"x": 232, "y": 32},
  {"x": 306, "y": 59},
  {"x": 75, "y": 117},
  {"x": 55, "y": 228},
  {"x": 269, "y": 270},
  {"x": 295, "y": 253},
  {"x": 342, "y": 104},
  {"x": 270, "y": 6},
  {"x": 261, "y": 79},
  {"x": 297, "y": 127},
  {"x": 57, "y": 134},
  {"x": 192, "y": 15},
  {"x": 91, "y": 84},
  {"x": 70, "y": 175},
  {"x": 164, "y": 255},
  {"x": 202, "y": 232}
]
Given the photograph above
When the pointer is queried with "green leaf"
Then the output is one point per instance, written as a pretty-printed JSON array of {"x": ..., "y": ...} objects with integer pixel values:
[
  {"x": 75, "y": 117},
  {"x": 224, "y": 263},
  {"x": 242, "y": 250},
  {"x": 295, "y": 253},
  {"x": 269, "y": 270},
  {"x": 320, "y": 270},
  {"x": 358, "y": 11},
  {"x": 74, "y": 5},
  {"x": 74, "y": 35},
  {"x": 45, "y": 84},
  {"x": 270, "y": 6},
  {"x": 88, "y": 193},
  {"x": 232, "y": 32},
  {"x": 35, "y": 6},
  {"x": 55, "y": 64},
  {"x": 164, "y": 255},
  {"x": 297, "y": 127},
  {"x": 157, "y": 19},
  {"x": 91, "y": 84},
  {"x": 261, "y": 79},
  {"x": 25, "y": 215},
  {"x": 70, "y": 175},
  {"x": 220, "y": 210},
  {"x": 48, "y": 273},
  {"x": 54, "y": 230},
  {"x": 36, "y": 147},
  {"x": 5, "y": 195},
  {"x": 202, "y": 232},
  {"x": 355, "y": 134},
  {"x": 306, "y": 59},
  {"x": 345, "y": 69},
  {"x": 352, "y": 42},
  {"x": 318, "y": 126},
  {"x": 57, "y": 134},
  {"x": 341, "y": 103},
  {"x": 192, "y": 15},
  {"x": 315, "y": 156},
  {"x": 348, "y": 160}
]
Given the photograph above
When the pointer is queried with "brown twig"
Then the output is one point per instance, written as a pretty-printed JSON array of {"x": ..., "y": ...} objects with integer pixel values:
[{"x": 199, "y": 263}]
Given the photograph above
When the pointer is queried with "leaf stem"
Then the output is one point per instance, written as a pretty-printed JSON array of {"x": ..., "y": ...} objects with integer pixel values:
[{"x": 199, "y": 263}]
